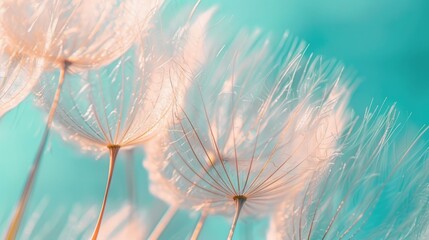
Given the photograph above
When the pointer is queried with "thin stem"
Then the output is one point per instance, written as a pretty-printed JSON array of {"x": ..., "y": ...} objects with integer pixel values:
[
  {"x": 239, "y": 203},
  {"x": 162, "y": 224},
  {"x": 199, "y": 226},
  {"x": 113, "y": 150},
  {"x": 25, "y": 196}
]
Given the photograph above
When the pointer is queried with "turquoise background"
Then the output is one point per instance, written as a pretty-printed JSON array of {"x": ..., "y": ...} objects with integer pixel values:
[{"x": 386, "y": 43}]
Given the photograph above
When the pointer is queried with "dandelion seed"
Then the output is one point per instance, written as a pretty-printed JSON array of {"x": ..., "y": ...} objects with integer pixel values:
[
  {"x": 114, "y": 107},
  {"x": 18, "y": 74},
  {"x": 69, "y": 35},
  {"x": 252, "y": 129},
  {"x": 118, "y": 106},
  {"x": 84, "y": 34},
  {"x": 374, "y": 190},
  {"x": 189, "y": 46}
]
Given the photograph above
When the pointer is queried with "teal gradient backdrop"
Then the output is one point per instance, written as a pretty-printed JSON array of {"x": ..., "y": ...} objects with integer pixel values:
[{"x": 386, "y": 43}]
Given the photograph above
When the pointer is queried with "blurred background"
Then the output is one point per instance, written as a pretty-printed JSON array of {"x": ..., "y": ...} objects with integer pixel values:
[{"x": 385, "y": 43}]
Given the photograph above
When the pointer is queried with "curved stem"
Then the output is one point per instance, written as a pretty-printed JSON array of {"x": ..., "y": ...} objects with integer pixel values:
[
  {"x": 162, "y": 224},
  {"x": 113, "y": 150},
  {"x": 239, "y": 203},
  {"x": 20, "y": 210},
  {"x": 199, "y": 226}
]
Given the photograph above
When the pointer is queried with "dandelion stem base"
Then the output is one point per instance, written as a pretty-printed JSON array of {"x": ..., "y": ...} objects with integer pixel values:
[
  {"x": 113, "y": 150},
  {"x": 239, "y": 203}
]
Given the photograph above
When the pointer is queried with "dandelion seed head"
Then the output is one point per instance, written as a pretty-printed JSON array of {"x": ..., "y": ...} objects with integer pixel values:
[
  {"x": 86, "y": 34},
  {"x": 114, "y": 105},
  {"x": 18, "y": 75},
  {"x": 374, "y": 189},
  {"x": 250, "y": 126},
  {"x": 124, "y": 103}
]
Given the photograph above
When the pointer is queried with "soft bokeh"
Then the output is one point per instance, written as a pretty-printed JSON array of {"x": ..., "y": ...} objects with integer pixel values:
[{"x": 386, "y": 43}]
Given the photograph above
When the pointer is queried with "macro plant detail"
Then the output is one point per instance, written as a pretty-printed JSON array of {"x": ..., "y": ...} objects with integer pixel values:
[
  {"x": 77, "y": 34},
  {"x": 69, "y": 36},
  {"x": 349, "y": 200},
  {"x": 18, "y": 74},
  {"x": 116, "y": 105},
  {"x": 244, "y": 124},
  {"x": 111, "y": 108},
  {"x": 243, "y": 142},
  {"x": 120, "y": 105}
]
